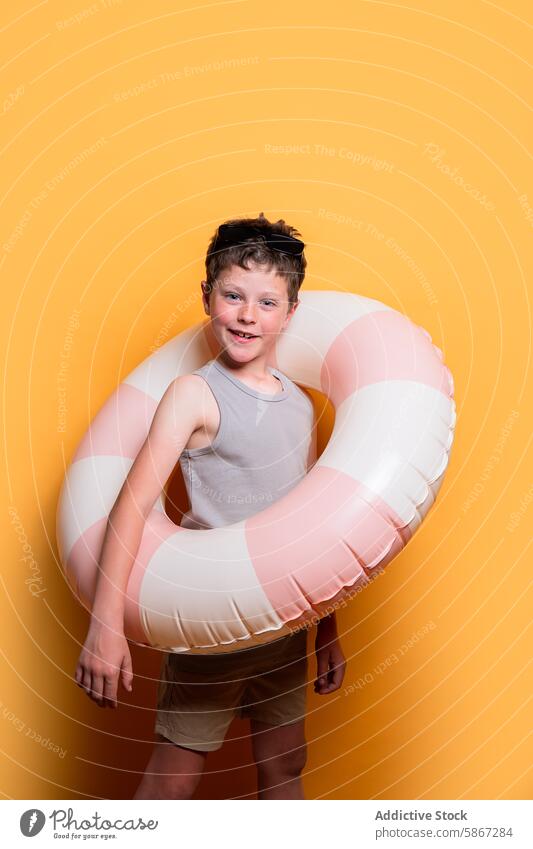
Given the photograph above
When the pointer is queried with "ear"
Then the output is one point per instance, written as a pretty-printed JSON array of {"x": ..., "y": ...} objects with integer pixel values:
[
  {"x": 290, "y": 313},
  {"x": 206, "y": 291}
]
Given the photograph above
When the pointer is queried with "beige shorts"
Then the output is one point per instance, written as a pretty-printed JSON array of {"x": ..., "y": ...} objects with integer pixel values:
[{"x": 199, "y": 695}]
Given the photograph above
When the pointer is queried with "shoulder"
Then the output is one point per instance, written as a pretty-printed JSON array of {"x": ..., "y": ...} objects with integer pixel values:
[
  {"x": 305, "y": 395},
  {"x": 309, "y": 403},
  {"x": 302, "y": 395},
  {"x": 187, "y": 395},
  {"x": 187, "y": 386}
]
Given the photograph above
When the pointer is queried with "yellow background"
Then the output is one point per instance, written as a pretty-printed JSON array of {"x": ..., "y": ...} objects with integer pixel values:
[{"x": 130, "y": 131}]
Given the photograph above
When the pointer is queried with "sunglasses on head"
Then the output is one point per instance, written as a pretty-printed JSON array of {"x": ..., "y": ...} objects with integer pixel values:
[{"x": 229, "y": 235}]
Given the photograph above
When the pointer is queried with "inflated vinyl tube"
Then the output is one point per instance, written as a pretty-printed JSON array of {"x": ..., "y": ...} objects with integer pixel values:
[{"x": 233, "y": 587}]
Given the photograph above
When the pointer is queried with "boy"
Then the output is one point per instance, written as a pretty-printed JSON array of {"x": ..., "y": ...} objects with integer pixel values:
[{"x": 240, "y": 428}]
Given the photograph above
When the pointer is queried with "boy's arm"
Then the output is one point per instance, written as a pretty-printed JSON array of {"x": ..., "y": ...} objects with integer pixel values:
[
  {"x": 105, "y": 655},
  {"x": 176, "y": 417}
]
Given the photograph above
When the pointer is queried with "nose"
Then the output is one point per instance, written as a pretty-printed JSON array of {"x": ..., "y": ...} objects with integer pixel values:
[{"x": 247, "y": 313}]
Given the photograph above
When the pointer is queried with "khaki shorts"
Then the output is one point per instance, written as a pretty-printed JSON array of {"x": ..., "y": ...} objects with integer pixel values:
[{"x": 199, "y": 695}]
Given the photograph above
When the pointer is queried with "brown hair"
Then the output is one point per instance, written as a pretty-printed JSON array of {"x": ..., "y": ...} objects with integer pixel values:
[{"x": 291, "y": 267}]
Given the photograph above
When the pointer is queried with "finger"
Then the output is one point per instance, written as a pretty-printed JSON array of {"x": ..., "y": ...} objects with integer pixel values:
[
  {"x": 323, "y": 690},
  {"x": 322, "y": 685},
  {"x": 97, "y": 689},
  {"x": 86, "y": 681},
  {"x": 110, "y": 691},
  {"x": 336, "y": 675},
  {"x": 327, "y": 688},
  {"x": 127, "y": 673},
  {"x": 78, "y": 675},
  {"x": 326, "y": 683}
]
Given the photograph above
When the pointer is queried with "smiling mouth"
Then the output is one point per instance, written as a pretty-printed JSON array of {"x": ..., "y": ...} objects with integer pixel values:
[{"x": 242, "y": 334}]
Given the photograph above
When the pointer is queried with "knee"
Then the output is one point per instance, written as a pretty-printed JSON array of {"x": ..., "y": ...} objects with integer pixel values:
[
  {"x": 181, "y": 788},
  {"x": 285, "y": 765},
  {"x": 167, "y": 787}
]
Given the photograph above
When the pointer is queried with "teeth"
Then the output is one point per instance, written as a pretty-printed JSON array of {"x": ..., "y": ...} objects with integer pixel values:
[{"x": 245, "y": 335}]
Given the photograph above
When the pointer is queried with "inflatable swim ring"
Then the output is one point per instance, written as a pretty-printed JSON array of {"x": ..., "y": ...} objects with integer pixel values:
[{"x": 229, "y": 588}]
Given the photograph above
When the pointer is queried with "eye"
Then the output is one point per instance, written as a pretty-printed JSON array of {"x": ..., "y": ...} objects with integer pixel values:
[
  {"x": 229, "y": 294},
  {"x": 270, "y": 302}
]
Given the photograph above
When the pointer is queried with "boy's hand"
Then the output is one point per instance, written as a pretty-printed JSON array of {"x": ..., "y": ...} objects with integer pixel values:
[
  {"x": 330, "y": 660},
  {"x": 104, "y": 657}
]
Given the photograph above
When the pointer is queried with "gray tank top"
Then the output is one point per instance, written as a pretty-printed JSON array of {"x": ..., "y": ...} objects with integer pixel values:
[{"x": 259, "y": 453}]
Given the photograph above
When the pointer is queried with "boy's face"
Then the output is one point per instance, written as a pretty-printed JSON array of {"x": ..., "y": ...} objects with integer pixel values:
[{"x": 251, "y": 301}]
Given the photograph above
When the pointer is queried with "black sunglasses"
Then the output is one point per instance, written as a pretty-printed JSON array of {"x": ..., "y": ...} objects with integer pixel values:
[{"x": 229, "y": 235}]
